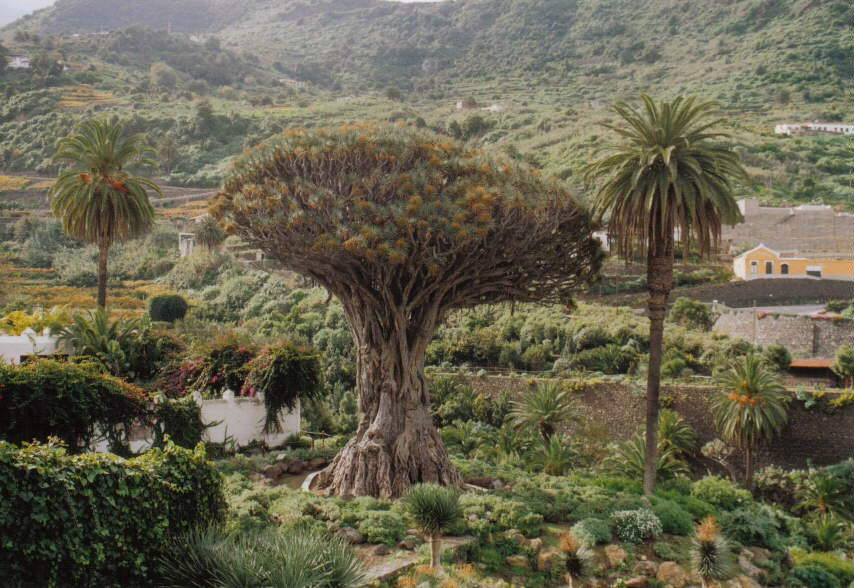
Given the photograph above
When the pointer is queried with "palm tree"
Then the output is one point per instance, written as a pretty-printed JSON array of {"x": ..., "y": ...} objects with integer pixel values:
[
  {"x": 666, "y": 181},
  {"x": 209, "y": 234},
  {"x": 543, "y": 408},
  {"x": 752, "y": 409},
  {"x": 98, "y": 201}
]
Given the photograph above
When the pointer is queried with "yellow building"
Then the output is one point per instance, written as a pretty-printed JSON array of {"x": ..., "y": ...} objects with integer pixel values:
[{"x": 764, "y": 262}]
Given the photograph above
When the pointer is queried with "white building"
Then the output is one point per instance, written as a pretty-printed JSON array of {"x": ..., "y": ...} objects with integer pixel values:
[
  {"x": 18, "y": 62},
  {"x": 28, "y": 343},
  {"x": 814, "y": 127}
]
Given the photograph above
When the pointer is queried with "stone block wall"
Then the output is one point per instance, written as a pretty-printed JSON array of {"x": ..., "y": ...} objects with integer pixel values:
[
  {"x": 803, "y": 335},
  {"x": 615, "y": 411}
]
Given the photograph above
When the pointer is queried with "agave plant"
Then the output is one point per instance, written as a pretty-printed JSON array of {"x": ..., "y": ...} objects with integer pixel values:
[
  {"x": 710, "y": 553},
  {"x": 434, "y": 508},
  {"x": 544, "y": 408},
  {"x": 208, "y": 558}
]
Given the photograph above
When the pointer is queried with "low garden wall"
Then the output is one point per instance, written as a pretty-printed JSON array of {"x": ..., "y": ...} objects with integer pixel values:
[
  {"x": 615, "y": 411},
  {"x": 13, "y": 347},
  {"x": 802, "y": 335}
]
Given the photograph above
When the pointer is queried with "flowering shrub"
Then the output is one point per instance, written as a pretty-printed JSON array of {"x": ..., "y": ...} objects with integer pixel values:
[
  {"x": 224, "y": 366},
  {"x": 636, "y": 526}
]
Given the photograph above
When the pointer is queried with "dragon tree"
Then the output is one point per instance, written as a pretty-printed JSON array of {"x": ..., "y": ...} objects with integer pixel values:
[{"x": 403, "y": 227}]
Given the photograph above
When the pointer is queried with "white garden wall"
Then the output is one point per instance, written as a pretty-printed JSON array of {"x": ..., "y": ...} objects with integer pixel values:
[
  {"x": 242, "y": 420},
  {"x": 13, "y": 347}
]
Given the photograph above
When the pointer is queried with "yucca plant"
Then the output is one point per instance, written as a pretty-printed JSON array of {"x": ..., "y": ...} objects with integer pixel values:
[
  {"x": 710, "y": 553},
  {"x": 675, "y": 433},
  {"x": 752, "y": 409},
  {"x": 577, "y": 557},
  {"x": 434, "y": 509},
  {"x": 544, "y": 408}
]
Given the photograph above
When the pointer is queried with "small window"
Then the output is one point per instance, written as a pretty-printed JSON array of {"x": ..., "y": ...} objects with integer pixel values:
[
  {"x": 784, "y": 268},
  {"x": 814, "y": 270},
  {"x": 754, "y": 267},
  {"x": 769, "y": 267}
]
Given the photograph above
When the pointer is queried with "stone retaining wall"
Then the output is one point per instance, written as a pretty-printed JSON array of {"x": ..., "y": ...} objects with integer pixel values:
[
  {"x": 803, "y": 335},
  {"x": 615, "y": 412}
]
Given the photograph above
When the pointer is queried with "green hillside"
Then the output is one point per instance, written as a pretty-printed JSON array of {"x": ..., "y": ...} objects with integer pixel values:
[{"x": 549, "y": 68}]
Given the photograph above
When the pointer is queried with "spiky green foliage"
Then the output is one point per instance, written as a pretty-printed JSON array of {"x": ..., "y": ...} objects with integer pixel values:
[
  {"x": 544, "y": 408},
  {"x": 106, "y": 341},
  {"x": 434, "y": 508},
  {"x": 668, "y": 172},
  {"x": 824, "y": 494},
  {"x": 752, "y": 409},
  {"x": 577, "y": 557},
  {"x": 628, "y": 459},
  {"x": 209, "y": 234},
  {"x": 297, "y": 559},
  {"x": 844, "y": 364},
  {"x": 676, "y": 434},
  {"x": 555, "y": 456}
]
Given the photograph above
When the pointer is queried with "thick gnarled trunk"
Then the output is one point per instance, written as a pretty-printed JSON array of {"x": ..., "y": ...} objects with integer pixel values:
[
  {"x": 396, "y": 444},
  {"x": 660, "y": 282}
]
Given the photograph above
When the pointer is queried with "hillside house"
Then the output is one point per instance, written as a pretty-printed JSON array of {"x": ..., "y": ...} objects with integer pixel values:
[
  {"x": 814, "y": 128},
  {"x": 18, "y": 62},
  {"x": 764, "y": 262}
]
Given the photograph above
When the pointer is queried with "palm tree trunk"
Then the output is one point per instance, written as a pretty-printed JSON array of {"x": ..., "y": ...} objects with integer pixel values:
[
  {"x": 748, "y": 467},
  {"x": 435, "y": 550},
  {"x": 659, "y": 271},
  {"x": 103, "y": 250}
]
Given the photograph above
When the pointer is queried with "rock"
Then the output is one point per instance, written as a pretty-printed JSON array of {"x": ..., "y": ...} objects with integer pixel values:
[
  {"x": 282, "y": 457},
  {"x": 760, "y": 554},
  {"x": 672, "y": 573},
  {"x": 497, "y": 484},
  {"x": 615, "y": 555},
  {"x": 274, "y": 471},
  {"x": 297, "y": 466},
  {"x": 742, "y": 582},
  {"x": 472, "y": 517},
  {"x": 536, "y": 544},
  {"x": 518, "y": 561},
  {"x": 381, "y": 550},
  {"x": 516, "y": 536},
  {"x": 637, "y": 582},
  {"x": 645, "y": 568},
  {"x": 745, "y": 563},
  {"x": 317, "y": 463},
  {"x": 546, "y": 560},
  {"x": 350, "y": 535},
  {"x": 481, "y": 482},
  {"x": 410, "y": 543}
]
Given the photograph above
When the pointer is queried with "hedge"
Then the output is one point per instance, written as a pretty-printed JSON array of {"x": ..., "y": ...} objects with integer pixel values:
[
  {"x": 47, "y": 398},
  {"x": 98, "y": 519},
  {"x": 167, "y": 307}
]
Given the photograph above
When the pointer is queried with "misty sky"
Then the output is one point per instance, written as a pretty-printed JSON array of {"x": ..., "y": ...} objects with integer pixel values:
[{"x": 12, "y": 9}]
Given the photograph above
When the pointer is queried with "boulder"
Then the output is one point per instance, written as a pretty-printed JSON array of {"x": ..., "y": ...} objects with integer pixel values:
[
  {"x": 615, "y": 555},
  {"x": 517, "y": 561},
  {"x": 497, "y": 484},
  {"x": 645, "y": 568},
  {"x": 536, "y": 544},
  {"x": 549, "y": 559},
  {"x": 297, "y": 466},
  {"x": 350, "y": 535},
  {"x": 274, "y": 471},
  {"x": 742, "y": 582},
  {"x": 637, "y": 582},
  {"x": 381, "y": 550},
  {"x": 317, "y": 463},
  {"x": 516, "y": 536},
  {"x": 410, "y": 543},
  {"x": 672, "y": 573},
  {"x": 745, "y": 563},
  {"x": 760, "y": 554}
]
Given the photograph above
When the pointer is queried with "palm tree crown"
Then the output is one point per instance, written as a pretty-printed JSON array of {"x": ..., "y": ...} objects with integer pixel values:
[
  {"x": 667, "y": 176},
  {"x": 544, "y": 408}
]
